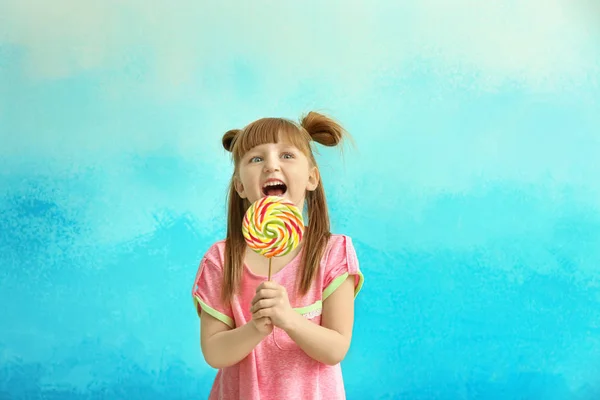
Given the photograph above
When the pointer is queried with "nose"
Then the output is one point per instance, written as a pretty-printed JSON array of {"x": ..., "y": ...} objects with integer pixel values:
[{"x": 271, "y": 164}]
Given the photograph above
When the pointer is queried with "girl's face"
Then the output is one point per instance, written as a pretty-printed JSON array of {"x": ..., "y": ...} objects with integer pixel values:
[{"x": 278, "y": 169}]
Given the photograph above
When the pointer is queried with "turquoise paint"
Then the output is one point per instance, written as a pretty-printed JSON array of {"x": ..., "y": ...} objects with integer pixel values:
[{"x": 480, "y": 256}]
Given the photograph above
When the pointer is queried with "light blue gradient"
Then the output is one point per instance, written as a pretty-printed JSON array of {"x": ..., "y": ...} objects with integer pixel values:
[{"x": 472, "y": 194}]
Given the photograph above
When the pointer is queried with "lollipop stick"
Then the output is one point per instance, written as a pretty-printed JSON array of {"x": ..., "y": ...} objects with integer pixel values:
[{"x": 269, "y": 278}]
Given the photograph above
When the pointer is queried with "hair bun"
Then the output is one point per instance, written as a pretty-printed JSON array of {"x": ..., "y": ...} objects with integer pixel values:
[
  {"x": 322, "y": 129},
  {"x": 228, "y": 138}
]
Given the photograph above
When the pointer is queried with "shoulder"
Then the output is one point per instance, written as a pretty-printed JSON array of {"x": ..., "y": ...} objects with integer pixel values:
[
  {"x": 338, "y": 240},
  {"x": 211, "y": 265},
  {"x": 339, "y": 262},
  {"x": 215, "y": 255},
  {"x": 339, "y": 247}
]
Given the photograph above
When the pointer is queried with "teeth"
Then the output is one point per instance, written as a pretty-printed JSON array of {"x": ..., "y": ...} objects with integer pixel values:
[{"x": 274, "y": 183}]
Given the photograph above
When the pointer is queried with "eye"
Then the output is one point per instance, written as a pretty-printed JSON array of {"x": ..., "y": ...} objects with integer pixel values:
[
  {"x": 288, "y": 155},
  {"x": 255, "y": 159}
]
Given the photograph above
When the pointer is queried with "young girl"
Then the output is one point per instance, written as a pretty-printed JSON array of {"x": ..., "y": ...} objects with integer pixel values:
[{"x": 284, "y": 338}]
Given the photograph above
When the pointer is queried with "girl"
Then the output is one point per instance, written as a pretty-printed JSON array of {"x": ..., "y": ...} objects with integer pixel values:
[{"x": 284, "y": 338}]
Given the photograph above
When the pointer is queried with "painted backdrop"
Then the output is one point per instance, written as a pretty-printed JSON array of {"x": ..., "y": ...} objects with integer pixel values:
[{"x": 472, "y": 193}]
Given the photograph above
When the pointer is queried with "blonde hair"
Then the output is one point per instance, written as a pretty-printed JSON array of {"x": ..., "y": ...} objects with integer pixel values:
[{"x": 313, "y": 127}]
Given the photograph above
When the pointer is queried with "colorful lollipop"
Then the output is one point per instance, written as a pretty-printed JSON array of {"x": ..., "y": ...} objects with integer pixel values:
[{"x": 273, "y": 227}]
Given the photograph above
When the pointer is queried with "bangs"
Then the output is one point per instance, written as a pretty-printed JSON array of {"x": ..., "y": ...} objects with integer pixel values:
[{"x": 270, "y": 130}]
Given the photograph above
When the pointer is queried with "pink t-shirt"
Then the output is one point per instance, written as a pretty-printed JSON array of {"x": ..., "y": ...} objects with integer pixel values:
[{"x": 277, "y": 368}]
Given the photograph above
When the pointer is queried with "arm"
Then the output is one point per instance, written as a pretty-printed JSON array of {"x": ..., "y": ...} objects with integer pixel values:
[
  {"x": 223, "y": 346},
  {"x": 330, "y": 341}
]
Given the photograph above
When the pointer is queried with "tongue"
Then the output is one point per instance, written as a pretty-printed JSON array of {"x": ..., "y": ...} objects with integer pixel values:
[{"x": 274, "y": 192}]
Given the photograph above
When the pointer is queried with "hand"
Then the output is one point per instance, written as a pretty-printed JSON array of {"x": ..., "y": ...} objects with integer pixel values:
[
  {"x": 271, "y": 301},
  {"x": 263, "y": 325}
]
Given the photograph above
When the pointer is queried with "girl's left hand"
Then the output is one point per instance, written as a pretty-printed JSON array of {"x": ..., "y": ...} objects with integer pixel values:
[{"x": 271, "y": 300}]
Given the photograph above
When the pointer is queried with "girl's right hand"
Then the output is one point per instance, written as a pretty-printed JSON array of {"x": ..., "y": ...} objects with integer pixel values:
[{"x": 263, "y": 325}]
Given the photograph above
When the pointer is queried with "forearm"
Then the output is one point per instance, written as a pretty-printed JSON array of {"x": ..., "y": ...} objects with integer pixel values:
[
  {"x": 227, "y": 348},
  {"x": 322, "y": 344}
]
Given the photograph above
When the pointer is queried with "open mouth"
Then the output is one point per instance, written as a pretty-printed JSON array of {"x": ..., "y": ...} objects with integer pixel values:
[{"x": 274, "y": 188}]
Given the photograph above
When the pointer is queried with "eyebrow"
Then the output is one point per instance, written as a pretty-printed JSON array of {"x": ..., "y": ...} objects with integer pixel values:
[
  {"x": 289, "y": 147},
  {"x": 284, "y": 147}
]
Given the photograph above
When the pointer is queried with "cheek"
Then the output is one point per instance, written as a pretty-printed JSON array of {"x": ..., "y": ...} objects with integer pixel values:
[
  {"x": 249, "y": 180},
  {"x": 244, "y": 175}
]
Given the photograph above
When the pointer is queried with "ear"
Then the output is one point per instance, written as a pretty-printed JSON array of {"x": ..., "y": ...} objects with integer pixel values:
[
  {"x": 239, "y": 188},
  {"x": 313, "y": 179}
]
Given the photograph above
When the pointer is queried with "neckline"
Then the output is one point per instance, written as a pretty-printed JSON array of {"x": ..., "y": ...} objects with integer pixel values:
[{"x": 286, "y": 266}]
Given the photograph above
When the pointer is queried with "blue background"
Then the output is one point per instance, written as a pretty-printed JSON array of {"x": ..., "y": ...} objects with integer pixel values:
[{"x": 472, "y": 194}]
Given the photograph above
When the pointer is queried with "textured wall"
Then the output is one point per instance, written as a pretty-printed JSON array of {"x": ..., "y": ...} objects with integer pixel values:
[{"x": 472, "y": 195}]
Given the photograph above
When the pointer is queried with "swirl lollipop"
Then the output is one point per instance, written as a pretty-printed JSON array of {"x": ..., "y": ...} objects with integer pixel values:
[{"x": 273, "y": 227}]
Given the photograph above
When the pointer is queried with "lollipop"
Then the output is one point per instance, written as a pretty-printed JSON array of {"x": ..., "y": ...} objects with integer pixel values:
[{"x": 273, "y": 227}]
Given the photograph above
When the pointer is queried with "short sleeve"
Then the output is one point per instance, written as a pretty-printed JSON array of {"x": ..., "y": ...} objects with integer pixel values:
[
  {"x": 341, "y": 262},
  {"x": 206, "y": 291}
]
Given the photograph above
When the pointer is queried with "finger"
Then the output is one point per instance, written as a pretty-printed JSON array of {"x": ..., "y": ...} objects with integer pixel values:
[
  {"x": 268, "y": 293},
  {"x": 264, "y": 294},
  {"x": 267, "y": 285},
  {"x": 262, "y": 313},
  {"x": 263, "y": 303},
  {"x": 259, "y": 287}
]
